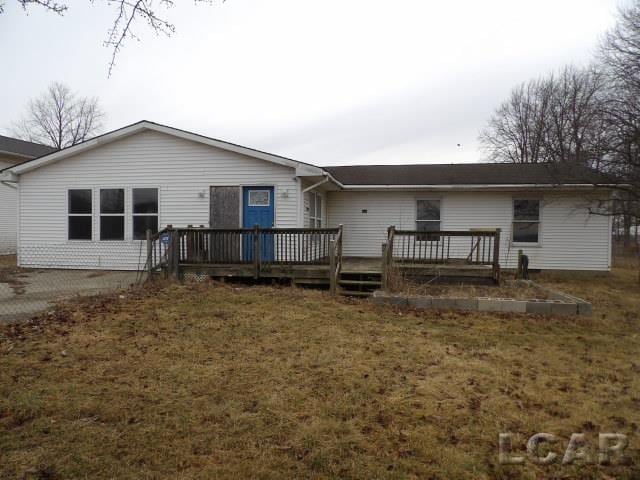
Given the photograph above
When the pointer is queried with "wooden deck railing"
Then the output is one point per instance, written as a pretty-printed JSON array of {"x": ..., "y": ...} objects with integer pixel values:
[
  {"x": 467, "y": 247},
  {"x": 172, "y": 248}
]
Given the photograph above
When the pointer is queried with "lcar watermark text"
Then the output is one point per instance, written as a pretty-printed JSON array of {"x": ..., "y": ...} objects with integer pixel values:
[{"x": 543, "y": 449}]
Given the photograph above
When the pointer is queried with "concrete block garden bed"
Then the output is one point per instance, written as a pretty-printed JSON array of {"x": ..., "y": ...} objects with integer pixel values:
[{"x": 553, "y": 303}]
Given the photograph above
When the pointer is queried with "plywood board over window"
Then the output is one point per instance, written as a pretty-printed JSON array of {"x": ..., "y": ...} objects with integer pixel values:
[{"x": 224, "y": 212}]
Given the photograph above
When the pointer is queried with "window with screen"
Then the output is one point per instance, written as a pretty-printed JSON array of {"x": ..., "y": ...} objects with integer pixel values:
[
  {"x": 315, "y": 210},
  {"x": 145, "y": 211},
  {"x": 112, "y": 214},
  {"x": 428, "y": 219},
  {"x": 80, "y": 211},
  {"x": 526, "y": 221}
]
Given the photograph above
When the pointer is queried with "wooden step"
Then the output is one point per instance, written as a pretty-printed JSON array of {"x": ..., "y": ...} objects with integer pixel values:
[
  {"x": 354, "y": 293},
  {"x": 311, "y": 281},
  {"x": 372, "y": 283},
  {"x": 361, "y": 272}
]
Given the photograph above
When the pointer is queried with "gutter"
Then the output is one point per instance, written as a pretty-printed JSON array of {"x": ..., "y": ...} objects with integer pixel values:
[
  {"x": 9, "y": 184},
  {"x": 478, "y": 186}
]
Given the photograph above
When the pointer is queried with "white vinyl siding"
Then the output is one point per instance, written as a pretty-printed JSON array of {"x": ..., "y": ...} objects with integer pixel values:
[
  {"x": 182, "y": 170},
  {"x": 8, "y": 212},
  {"x": 570, "y": 238},
  {"x": 8, "y": 218}
]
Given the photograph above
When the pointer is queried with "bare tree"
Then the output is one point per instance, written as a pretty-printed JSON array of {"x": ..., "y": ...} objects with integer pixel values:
[
  {"x": 620, "y": 55},
  {"x": 554, "y": 119},
  {"x": 583, "y": 117},
  {"x": 575, "y": 117},
  {"x": 60, "y": 118},
  {"x": 127, "y": 12},
  {"x": 516, "y": 132}
]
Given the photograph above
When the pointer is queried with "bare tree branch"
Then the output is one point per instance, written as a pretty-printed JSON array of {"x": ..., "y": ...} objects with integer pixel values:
[
  {"x": 60, "y": 118},
  {"x": 127, "y": 12}
]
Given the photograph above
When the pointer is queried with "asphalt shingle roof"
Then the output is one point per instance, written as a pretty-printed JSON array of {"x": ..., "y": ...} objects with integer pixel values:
[
  {"x": 23, "y": 148},
  {"x": 464, "y": 174}
]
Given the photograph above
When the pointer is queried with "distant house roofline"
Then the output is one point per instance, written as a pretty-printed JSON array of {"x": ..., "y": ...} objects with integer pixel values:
[{"x": 22, "y": 149}]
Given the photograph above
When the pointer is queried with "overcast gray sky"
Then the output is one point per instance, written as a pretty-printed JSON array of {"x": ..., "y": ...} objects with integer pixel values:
[{"x": 325, "y": 81}]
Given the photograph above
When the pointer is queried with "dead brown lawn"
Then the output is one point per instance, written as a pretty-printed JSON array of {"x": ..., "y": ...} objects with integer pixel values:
[{"x": 214, "y": 381}]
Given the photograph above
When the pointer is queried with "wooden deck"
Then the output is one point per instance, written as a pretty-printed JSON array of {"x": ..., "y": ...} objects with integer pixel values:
[{"x": 314, "y": 256}]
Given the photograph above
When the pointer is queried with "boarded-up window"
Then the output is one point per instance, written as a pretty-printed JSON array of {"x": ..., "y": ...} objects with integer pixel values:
[{"x": 225, "y": 214}]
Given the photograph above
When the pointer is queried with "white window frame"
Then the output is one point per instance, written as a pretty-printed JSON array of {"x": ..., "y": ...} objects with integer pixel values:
[
  {"x": 315, "y": 220},
  {"x": 123, "y": 215},
  {"x": 133, "y": 214},
  {"x": 259, "y": 190},
  {"x": 514, "y": 221},
  {"x": 439, "y": 221},
  {"x": 69, "y": 214}
]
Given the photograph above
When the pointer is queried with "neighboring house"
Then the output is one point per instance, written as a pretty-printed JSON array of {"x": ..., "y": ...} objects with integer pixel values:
[
  {"x": 89, "y": 206},
  {"x": 13, "y": 152}
]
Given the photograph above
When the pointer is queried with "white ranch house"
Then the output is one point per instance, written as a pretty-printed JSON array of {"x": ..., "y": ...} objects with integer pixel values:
[{"x": 89, "y": 206}]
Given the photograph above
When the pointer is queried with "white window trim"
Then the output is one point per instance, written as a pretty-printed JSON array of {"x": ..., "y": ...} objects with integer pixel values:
[
  {"x": 261, "y": 190},
  {"x": 93, "y": 233},
  {"x": 123, "y": 215},
  {"x": 539, "y": 221},
  {"x": 132, "y": 215},
  {"x": 428, "y": 199},
  {"x": 315, "y": 221}
]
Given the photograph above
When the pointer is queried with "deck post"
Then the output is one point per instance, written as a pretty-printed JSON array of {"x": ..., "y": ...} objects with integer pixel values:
[
  {"x": 149, "y": 254},
  {"x": 256, "y": 251},
  {"x": 384, "y": 266},
  {"x": 175, "y": 253},
  {"x": 496, "y": 256},
  {"x": 387, "y": 256},
  {"x": 167, "y": 253},
  {"x": 332, "y": 267}
]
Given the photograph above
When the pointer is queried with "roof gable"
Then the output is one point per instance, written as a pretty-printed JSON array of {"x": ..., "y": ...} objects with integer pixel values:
[{"x": 304, "y": 169}]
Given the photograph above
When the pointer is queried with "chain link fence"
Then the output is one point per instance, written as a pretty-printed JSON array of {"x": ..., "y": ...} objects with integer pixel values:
[{"x": 40, "y": 276}]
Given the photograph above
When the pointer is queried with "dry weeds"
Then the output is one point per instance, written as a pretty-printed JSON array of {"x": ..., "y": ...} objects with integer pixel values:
[
  {"x": 509, "y": 288},
  {"x": 214, "y": 381}
]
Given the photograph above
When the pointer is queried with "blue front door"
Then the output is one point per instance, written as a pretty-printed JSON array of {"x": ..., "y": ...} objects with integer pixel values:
[{"x": 258, "y": 209}]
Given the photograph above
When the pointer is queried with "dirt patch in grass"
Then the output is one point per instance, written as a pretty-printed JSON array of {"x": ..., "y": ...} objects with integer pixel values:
[{"x": 217, "y": 381}]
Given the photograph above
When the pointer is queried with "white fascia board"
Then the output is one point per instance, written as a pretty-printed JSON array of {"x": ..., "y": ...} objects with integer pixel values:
[
  {"x": 304, "y": 170},
  {"x": 8, "y": 176},
  {"x": 223, "y": 145},
  {"x": 144, "y": 125},
  {"x": 476, "y": 187},
  {"x": 74, "y": 150}
]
